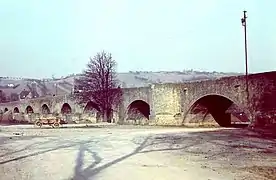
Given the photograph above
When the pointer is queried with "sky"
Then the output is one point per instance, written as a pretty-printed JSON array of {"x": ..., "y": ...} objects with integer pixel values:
[{"x": 45, "y": 38}]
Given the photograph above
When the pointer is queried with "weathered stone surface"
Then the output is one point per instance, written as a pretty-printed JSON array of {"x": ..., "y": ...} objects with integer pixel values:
[{"x": 177, "y": 104}]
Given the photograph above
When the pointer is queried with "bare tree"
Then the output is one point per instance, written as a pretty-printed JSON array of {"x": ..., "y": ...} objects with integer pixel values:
[{"x": 98, "y": 83}]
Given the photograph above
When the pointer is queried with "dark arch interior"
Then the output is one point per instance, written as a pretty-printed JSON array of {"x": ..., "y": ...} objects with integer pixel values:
[
  {"x": 91, "y": 107},
  {"x": 6, "y": 109},
  {"x": 66, "y": 109},
  {"x": 45, "y": 109},
  {"x": 138, "y": 110},
  {"x": 16, "y": 110},
  {"x": 29, "y": 110},
  {"x": 224, "y": 111}
]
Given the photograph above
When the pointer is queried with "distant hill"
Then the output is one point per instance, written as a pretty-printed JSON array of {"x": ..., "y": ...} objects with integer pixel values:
[{"x": 64, "y": 85}]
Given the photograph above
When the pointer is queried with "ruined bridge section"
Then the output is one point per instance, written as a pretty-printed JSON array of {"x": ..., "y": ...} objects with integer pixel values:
[{"x": 220, "y": 100}]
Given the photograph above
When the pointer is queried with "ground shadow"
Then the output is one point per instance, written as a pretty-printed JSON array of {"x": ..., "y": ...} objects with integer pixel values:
[
  {"x": 42, "y": 147},
  {"x": 90, "y": 171},
  {"x": 227, "y": 145}
]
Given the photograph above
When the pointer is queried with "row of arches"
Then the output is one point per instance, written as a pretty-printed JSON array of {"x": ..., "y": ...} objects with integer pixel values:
[
  {"x": 28, "y": 110},
  {"x": 137, "y": 109},
  {"x": 65, "y": 109},
  {"x": 216, "y": 105}
]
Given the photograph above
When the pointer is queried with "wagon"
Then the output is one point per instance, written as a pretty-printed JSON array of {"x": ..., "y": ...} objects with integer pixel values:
[{"x": 51, "y": 121}]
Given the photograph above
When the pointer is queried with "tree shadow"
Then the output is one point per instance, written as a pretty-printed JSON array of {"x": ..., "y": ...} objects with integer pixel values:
[
  {"x": 80, "y": 159},
  {"x": 222, "y": 145},
  {"x": 232, "y": 144},
  {"x": 27, "y": 147},
  {"x": 91, "y": 170},
  {"x": 42, "y": 150}
]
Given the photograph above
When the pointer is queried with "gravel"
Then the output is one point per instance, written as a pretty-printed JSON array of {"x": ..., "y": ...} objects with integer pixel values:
[{"x": 126, "y": 152}]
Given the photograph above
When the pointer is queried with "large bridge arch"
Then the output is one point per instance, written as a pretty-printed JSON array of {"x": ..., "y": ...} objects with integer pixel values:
[
  {"x": 220, "y": 107},
  {"x": 138, "y": 109}
]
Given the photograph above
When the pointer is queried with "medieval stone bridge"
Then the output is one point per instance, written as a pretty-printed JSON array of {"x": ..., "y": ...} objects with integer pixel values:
[{"x": 225, "y": 99}]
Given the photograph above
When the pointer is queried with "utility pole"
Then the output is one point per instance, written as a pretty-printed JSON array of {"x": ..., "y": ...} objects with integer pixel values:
[{"x": 243, "y": 21}]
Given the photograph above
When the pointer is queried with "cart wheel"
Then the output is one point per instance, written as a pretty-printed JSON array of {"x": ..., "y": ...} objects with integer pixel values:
[
  {"x": 38, "y": 123},
  {"x": 56, "y": 124}
]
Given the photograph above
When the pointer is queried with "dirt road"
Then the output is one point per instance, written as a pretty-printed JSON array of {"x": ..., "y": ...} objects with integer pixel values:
[{"x": 134, "y": 153}]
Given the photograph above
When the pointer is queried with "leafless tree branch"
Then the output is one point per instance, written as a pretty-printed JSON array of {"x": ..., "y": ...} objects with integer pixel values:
[{"x": 98, "y": 83}]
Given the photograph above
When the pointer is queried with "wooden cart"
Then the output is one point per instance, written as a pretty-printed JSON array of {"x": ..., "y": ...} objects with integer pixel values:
[{"x": 51, "y": 121}]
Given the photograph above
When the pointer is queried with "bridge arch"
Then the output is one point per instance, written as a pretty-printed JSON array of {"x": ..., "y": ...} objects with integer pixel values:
[
  {"x": 66, "y": 109},
  {"x": 91, "y": 107},
  {"x": 6, "y": 109},
  {"x": 220, "y": 107},
  {"x": 29, "y": 110},
  {"x": 45, "y": 109},
  {"x": 16, "y": 110},
  {"x": 138, "y": 109}
]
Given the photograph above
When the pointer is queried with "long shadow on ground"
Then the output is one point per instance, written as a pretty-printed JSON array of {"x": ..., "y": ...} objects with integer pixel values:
[{"x": 228, "y": 147}]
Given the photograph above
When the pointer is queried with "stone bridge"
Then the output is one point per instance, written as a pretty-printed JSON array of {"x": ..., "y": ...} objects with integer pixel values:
[{"x": 223, "y": 101}]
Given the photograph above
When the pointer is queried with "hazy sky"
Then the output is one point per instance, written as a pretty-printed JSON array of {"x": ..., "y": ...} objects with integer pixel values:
[{"x": 41, "y": 38}]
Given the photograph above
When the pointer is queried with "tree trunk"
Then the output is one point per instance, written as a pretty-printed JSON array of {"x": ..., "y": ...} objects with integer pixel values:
[
  {"x": 110, "y": 115},
  {"x": 105, "y": 117}
]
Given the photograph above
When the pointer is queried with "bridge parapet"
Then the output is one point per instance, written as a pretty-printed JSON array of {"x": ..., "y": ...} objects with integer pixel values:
[{"x": 169, "y": 102}]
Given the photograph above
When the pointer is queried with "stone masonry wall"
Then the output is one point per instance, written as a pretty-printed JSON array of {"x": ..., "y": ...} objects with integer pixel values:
[
  {"x": 169, "y": 103},
  {"x": 262, "y": 96},
  {"x": 166, "y": 104}
]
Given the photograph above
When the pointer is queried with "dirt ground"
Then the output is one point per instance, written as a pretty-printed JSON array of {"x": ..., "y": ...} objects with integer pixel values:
[{"x": 120, "y": 153}]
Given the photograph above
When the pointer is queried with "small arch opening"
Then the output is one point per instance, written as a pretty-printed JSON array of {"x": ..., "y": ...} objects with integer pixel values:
[
  {"x": 45, "y": 109},
  {"x": 29, "y": 110},
  {"x": 66, "y": 109},
  {"x": 16, "y": 110},
  {"x": 6, "y": 110}
]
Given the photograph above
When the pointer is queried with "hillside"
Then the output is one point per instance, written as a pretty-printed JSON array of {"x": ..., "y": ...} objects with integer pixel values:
[{"x": 50, "y": 87}]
